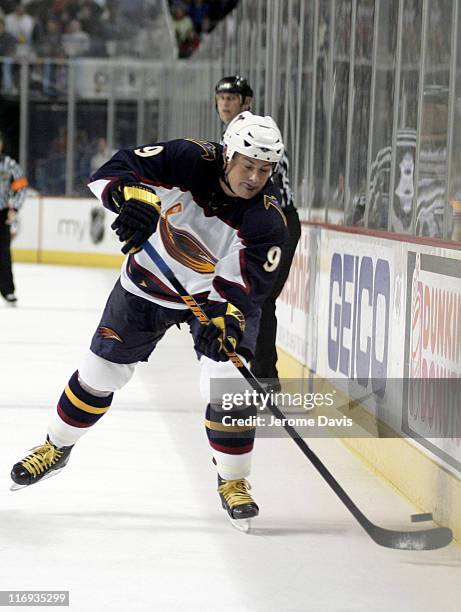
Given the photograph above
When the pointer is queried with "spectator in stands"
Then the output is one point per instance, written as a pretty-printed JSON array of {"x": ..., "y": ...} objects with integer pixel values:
[
  {"x": 202, "y": 15},
  {"x": 132, "y": 9},
  {"x": 114, "y": 28},
  {"x": 218, "y": 9},
  {"x": 75, "y": 41},
  {"x": 103, "y": 154},
  {"x": 51, "y": 168},
  {"x": 7, "y": 6},
  {"x": 57, "y": 10},
  {"x": 48, "y": 44},
  {"x": 186, "y": 35},
  {"x": 198, "y": 12},
  {"x": 20, "y": 25},
  {"x": 7, "y": 49},
  {"x": 89, "y": 14},
  {"x": 7, "y": 40}
]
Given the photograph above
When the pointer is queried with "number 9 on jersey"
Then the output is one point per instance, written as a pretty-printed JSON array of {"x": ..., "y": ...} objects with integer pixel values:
[{"x": 273, "y": 259}]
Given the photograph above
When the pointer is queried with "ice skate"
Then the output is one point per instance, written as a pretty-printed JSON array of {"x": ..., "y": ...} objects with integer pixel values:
[
  {"x": 10, "y": 299},
  {"x": 43, "y": 461},
  {"x": 238, "y": 503}
]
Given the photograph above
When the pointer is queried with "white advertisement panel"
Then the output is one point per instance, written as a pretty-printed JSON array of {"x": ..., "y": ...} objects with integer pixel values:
[
  {"x": 431, "y": 413},
  {"x": 361, "y": 320},
  {"x": 78, "y": 225},
  {"x": 356, "y": 294},
  {"x": 296, "y": 305},
  {"x": 95, "y": 78},
  {"x": 28, "y": 236}
]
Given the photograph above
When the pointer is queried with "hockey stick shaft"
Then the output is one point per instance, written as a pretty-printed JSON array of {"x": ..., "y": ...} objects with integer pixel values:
[{"x": 373, "y": 530}]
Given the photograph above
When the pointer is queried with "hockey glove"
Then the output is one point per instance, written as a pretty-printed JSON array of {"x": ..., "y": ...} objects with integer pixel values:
[
  {"x": 226, "y": 322},
  {"x": 139, "y": 211}
]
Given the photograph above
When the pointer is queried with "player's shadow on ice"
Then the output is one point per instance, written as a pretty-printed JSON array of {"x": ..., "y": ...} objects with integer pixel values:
[
  {"x": 436, "y": 562},
  {"x": 297, "y": 531},
  {"x": 43, "y": 524}
]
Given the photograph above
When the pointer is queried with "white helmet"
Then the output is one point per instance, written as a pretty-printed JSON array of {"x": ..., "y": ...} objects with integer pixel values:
[{"x": 253, "y": 136}]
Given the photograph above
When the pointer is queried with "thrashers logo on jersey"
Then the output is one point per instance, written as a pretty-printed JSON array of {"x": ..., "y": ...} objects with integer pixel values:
[
  {"x": 208, "y": 148},
  {"x": 184, "y": 247},
  {"x": 108, "y": 334},
  {"x": 270, "y": 200}
]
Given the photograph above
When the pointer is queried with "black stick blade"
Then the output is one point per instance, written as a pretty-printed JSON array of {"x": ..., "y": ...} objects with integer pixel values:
[
  {"x": 425, "y": 539},
  {"x": 421, "y": 518}
]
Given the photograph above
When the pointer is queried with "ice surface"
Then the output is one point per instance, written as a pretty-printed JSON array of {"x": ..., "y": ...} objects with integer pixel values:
[{"x": 134, "y": 521}]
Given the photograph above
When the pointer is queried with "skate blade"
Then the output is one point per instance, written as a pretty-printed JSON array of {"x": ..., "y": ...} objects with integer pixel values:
[
  {"x": 17, "y": 487},
  {"x": 243, "y": 525}
]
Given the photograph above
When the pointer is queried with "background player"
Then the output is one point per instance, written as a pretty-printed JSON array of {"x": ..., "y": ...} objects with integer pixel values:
[
  {"x": 233, "y": 95},
  {"x": 211, "y": 214}
]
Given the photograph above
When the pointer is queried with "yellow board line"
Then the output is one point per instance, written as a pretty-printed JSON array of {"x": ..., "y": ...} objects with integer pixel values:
[{"x": 102, "y": 260}]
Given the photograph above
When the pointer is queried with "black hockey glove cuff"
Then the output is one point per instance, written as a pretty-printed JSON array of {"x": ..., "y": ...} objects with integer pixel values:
[
  {"x": 226, "y": 322},
  {"x": 139, "y": 211}
]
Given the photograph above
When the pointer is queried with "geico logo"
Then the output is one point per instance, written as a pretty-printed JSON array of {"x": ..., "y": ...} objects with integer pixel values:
[{"x": 358, "y": 318}]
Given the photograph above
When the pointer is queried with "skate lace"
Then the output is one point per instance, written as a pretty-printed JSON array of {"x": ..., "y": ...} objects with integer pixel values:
[
  {"x": 235, "y": 492},
  {"x": 41, "y": 458}
]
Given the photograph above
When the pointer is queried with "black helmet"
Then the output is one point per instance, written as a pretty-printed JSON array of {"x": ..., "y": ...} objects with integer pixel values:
[{"x": 234, "y": 84}]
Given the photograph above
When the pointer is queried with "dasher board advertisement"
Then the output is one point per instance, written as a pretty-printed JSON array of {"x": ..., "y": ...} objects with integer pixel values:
[
  {"x": 431, "y": 408},
  {"x": 78, "y": 225},
  {"x": 361, "y": 322},
  {"x": 356, "y": 294},
  {"x": 296, "y": 305}
]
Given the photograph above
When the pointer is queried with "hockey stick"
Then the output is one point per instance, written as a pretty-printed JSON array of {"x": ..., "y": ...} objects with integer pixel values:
[{"x": 425, "y": 539}]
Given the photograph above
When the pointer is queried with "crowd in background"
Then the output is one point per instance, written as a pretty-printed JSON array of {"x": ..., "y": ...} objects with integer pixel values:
[
  {"x": 194, "y": 19},
  {"x": 49, "y": 175},
  {"x": 45, "y": 33},
  {"x": 61, "y": 29}
]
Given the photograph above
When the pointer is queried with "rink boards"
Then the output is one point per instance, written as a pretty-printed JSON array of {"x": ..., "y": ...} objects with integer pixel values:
[
  {"x": 66, "y": 230},
  {"x": 379, "y": 318}
]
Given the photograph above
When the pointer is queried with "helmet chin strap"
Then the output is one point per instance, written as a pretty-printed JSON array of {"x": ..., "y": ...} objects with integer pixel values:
[{"x": 227, "y": 184}]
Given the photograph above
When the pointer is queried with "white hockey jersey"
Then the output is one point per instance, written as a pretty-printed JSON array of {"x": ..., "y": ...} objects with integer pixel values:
[{"x": 220, "y": 248}]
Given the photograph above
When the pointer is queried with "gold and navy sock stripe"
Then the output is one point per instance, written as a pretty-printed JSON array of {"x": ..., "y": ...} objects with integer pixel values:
[
  {"x": 78, "y": 407},
  {"x": 230, "y": 439}
]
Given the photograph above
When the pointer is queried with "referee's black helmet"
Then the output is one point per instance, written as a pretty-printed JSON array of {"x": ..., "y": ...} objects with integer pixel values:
[{"x": 234, "y": 84}]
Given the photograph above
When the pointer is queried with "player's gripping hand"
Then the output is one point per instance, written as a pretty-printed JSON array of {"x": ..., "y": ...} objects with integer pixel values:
[
  {"x": 226, "y": 322},
  {"x": 138, "y": 209}
]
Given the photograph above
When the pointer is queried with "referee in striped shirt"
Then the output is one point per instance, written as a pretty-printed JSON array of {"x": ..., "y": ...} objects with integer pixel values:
[
  {"x": 234, "y": 95},
  {"x": 13, "y": 189}
]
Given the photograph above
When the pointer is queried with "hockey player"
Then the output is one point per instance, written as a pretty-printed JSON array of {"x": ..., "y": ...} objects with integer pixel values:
[
  {"x": 209, "y": 211},
  {"x": 233, "y": 95}
]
